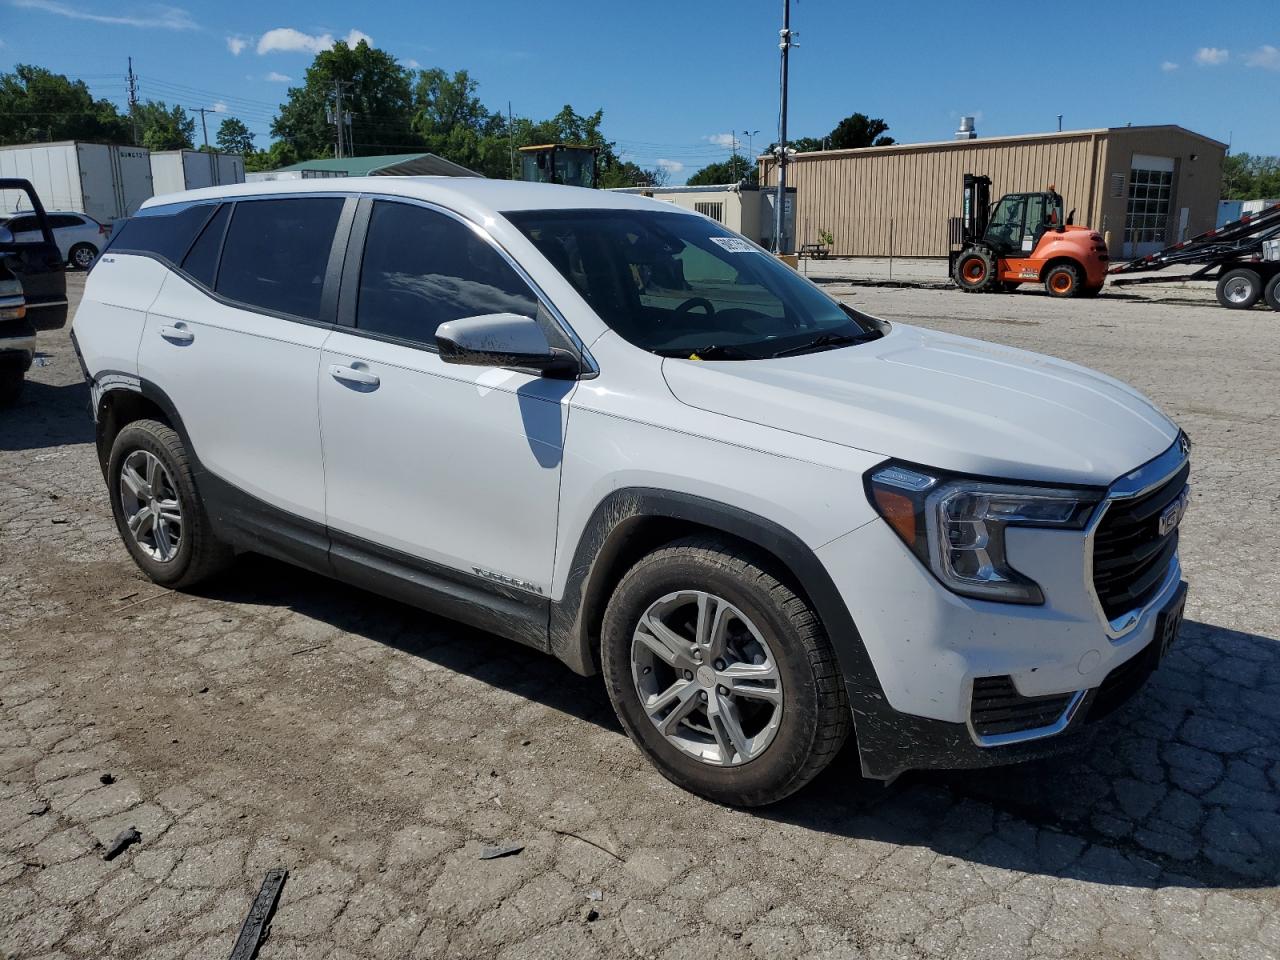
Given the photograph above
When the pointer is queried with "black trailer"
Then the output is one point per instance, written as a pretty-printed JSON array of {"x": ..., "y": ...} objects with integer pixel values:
[{"x": 1243, "y": 256}]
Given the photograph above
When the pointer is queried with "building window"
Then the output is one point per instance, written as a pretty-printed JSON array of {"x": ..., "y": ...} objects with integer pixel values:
[
  {"x": 713, "y": 210},
  {"x": 1150, "y": 196}
]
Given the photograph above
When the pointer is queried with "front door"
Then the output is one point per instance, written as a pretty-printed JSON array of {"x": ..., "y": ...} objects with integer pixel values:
[{"x": 445, "y": 473}]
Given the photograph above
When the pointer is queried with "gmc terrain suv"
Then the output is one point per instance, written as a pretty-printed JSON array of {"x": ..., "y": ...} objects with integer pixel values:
[{"x": 619, "y": 433}]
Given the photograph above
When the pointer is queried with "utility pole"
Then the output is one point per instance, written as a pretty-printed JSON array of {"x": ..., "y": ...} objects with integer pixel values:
[
  {"x": 341, "y": 119},
  {"x": 733, "y": 164},
  {"x": 511, "y": 142},
  {"x": 131, "y": 86},
  {"x": 204, "y": 125},
  {"x": 779, "y": 211}
]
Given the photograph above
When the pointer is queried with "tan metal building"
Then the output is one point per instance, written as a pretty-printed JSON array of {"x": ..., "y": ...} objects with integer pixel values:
[{"x": 1142, "y": 187}]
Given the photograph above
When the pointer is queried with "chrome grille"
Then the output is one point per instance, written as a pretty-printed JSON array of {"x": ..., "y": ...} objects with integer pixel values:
[{"x": 1130, "y": 555}]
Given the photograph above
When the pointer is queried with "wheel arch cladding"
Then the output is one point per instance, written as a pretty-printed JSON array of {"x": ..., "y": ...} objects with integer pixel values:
[
  {"x": 634, "y": 521},
  {"x": 117, "y": 408}
]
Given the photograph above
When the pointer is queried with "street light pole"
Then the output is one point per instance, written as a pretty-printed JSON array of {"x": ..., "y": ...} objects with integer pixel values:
[{"x": 779, "y": 217}]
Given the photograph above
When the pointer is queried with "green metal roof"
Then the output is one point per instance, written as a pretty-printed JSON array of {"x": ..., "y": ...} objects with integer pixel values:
[{"x": 413, "y": 163}]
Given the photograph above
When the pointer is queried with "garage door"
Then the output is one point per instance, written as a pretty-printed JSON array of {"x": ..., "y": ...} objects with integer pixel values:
[{"x": 1146, "y": 221}]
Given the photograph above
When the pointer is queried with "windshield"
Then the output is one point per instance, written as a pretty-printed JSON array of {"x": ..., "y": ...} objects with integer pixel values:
[{"x": 682, "y": 286}]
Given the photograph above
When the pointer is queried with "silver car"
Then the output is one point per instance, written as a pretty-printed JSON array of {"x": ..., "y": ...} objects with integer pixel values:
[{"x": 79, "y": 236}]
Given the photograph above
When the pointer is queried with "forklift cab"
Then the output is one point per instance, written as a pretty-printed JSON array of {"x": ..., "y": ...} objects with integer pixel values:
[
  {"x": 574, "y": 166},
  {"x": 1019, "y": 220}
]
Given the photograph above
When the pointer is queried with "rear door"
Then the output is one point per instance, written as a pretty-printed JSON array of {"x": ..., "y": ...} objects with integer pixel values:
[
  {"x": 33, "y": 258},
  {"x": 233, "y": 340}
]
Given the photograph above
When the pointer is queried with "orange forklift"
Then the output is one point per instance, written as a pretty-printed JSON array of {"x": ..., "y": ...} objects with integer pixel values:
[{"x": 1024, "y": 239}]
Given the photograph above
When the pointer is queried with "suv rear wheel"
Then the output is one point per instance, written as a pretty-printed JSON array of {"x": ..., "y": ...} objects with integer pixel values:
[
  {"x": 722, "y": 674},
  {"x": 157, "y": 509}
]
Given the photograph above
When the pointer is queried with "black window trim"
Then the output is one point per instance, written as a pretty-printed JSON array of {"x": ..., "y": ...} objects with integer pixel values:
[{"x": 354, "y": 262}]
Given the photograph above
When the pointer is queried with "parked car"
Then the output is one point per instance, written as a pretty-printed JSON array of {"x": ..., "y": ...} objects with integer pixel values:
[
  {"x": 79, "y": 236},
  {"x": 617, "y": 432},
  {"x": 33, "y": 290}
]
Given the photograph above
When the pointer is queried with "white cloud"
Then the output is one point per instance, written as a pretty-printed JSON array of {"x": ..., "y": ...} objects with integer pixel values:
[
  {"x": 1212, "y": 56},
  {"x": 1168, "y": 66},
  {"x": 236, "y": 45},
  {"x": 412, "y": 64},
  {"x": 671, "y": 166},
  {"x": 726, "y": 140},
  {"x": 163, "y": 17},
  {"x": 289, "y": 40},
  {"x": 1267, "y": 57},
  {"x": 219, "y": 107},
  {"x": 274, "y": 77}
]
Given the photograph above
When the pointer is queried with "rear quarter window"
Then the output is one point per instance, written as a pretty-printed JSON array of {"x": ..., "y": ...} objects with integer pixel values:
[{"x": 164, "y": 232}]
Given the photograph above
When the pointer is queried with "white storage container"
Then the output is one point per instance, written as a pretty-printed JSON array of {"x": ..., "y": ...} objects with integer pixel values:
[
  {"x": 104, "y": 181},
  {"x": 173, "y": 171}
]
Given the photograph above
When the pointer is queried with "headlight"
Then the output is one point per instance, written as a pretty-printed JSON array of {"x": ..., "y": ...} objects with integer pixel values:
[{"x": 956, "y": 525}]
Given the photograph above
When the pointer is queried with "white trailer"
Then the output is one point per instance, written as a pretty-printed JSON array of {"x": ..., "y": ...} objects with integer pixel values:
[
  {"x": 104, "y": 181},
  {"x": 173, "y": 171}
]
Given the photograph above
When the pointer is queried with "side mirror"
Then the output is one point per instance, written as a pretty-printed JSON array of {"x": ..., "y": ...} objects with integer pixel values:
[
  {"x": 502, "y": 340},
  {"x": 6, "y": 235}
]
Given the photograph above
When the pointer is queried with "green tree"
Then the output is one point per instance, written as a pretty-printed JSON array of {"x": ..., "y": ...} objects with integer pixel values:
[
  {"x": 376, "y": 91},
  {"x": 163, "y": 127},
  {"x": 859, "y": 130},
  {"x": 279, "y": 154},
  {"x": 234, "y": 137},
  {"x": 38, "y": 105},
  {"x": 733, "y": 170},
  {"x": 853, "y": 132},
  {"x": 1250, "y": 176},
  {"x": 452, "y": 122}
]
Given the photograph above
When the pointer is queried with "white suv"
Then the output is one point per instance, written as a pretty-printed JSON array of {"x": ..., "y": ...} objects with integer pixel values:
[{"x": 619, "y": 433}]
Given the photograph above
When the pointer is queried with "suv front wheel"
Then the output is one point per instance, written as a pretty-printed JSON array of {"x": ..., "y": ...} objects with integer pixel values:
[
  {"x": 722, "y": 674},
  {"x": 157, "y": 509}
]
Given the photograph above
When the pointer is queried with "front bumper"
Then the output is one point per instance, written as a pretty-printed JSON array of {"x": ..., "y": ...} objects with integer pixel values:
[
  {"x": 891, "y": 742},
  {"x": 928, "y": 647}
]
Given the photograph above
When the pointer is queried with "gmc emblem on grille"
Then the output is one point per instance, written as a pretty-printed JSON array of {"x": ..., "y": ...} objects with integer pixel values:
[{"x": 1172, "y": 515}]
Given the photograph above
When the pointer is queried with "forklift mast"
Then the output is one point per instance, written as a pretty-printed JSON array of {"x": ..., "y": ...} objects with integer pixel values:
[{"x": 977, "y": 209}]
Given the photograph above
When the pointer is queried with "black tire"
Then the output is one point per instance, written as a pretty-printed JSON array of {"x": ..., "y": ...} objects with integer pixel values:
[
  {"x": 82, "y": 255},
  {"x": 1063, "y": 281},
  {"x": 814, "y": 715},
  {"x": 200, "y": 554},
  {"x": 12, "y": 380},
  {"x": 975, "y": 271},
  {"x": 1239, "y": 289},
  {"x": 1272, "y": 292}
]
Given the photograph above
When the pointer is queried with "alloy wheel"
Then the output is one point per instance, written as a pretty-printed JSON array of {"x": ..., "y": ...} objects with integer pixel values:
[
  {"x": 152, "y": 511},
  {"x": 707, "y": 678}
]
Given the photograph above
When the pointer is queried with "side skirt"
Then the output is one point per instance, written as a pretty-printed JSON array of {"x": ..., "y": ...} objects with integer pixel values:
[{"x": 250, "y": 524}]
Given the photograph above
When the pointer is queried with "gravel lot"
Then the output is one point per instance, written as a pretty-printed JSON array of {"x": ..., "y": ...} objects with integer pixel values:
[{"x": 282, "y": 719}]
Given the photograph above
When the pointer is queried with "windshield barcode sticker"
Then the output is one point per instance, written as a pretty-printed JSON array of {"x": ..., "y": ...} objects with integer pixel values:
[{"x": 733, "y": 244}]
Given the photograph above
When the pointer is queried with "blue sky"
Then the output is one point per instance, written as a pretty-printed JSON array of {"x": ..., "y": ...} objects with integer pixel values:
[{"x": 677, "y": 78}]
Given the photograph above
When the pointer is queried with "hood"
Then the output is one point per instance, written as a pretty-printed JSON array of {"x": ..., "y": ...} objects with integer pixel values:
[{"x": 943, "y": 401}]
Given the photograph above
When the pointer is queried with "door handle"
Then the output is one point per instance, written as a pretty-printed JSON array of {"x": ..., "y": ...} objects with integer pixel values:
[
  {"x": 361, "y": 378},
  {"x": 177, "y": 333}
]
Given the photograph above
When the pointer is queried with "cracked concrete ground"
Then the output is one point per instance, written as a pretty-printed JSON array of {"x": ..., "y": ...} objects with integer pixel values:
[{"x": 282, "y": 719}]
